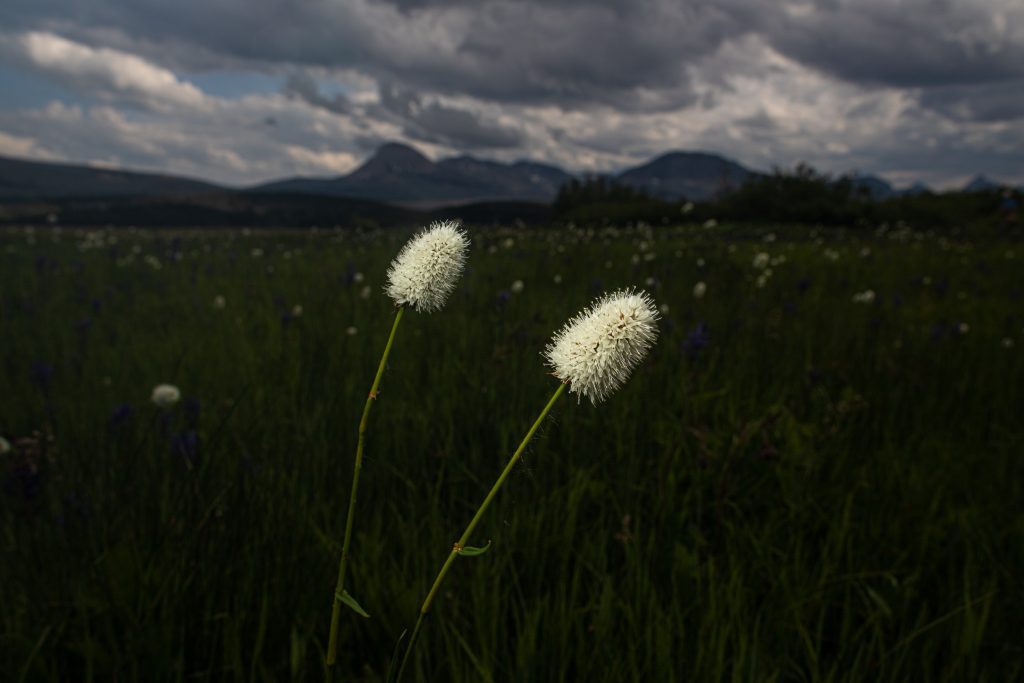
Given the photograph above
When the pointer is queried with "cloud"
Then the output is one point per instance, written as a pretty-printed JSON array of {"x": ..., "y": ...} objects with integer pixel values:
[
  {"x": 919, "y": 86},
  {"x": 115, "y": 75},
  {"x": 434, "y": 121}
]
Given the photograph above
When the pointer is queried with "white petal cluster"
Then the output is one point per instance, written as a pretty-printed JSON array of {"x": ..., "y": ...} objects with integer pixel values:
[
  {"x": 165, "y": 395},
  {"x": 596, "y": 351},
  {"x": 425, "y": 272}
]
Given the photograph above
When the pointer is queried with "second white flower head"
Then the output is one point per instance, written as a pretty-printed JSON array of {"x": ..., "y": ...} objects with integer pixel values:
[
  {"x": 596, "y": 351},
  {"x": 425, "y": 272}
]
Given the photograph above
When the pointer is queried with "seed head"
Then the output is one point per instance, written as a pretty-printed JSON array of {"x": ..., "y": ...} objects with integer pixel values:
[
  {"x": 425, "y": 271},
  {"x": 165, "y": 395},
  {"x": 596, "y": 351}
]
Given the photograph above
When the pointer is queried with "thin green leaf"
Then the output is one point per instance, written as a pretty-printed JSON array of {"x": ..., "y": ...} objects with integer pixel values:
[
  {"x": 470, "y": 551},
  {"x": 346, "y": 598}
]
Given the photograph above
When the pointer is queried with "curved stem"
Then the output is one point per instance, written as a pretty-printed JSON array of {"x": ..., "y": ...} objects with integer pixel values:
[
  {"x": 332, "y": 645},
  {"x": 461, "y": 543}
]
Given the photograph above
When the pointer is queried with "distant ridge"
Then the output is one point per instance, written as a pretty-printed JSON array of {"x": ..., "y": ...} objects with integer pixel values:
[
  {"x": 399, "y": 174},
  {"x": 686, "y": 175},
  {"x": 22, "y": 180}
]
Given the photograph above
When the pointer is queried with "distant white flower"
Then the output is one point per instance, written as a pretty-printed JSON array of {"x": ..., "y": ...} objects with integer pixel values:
[
  {"x": 357, "y": 278},
  {"x": 963, "y": 328},
  {"x": 508, "y": 243},
  {"x": 1007, "y": 343},
  {"x": 865, "y": 252},
  {"x": 687, "y": 207},
  {"x": 5, "y": 446},
  {"x": 700, "y": 263},
  {"x": 165, "y": 395},
  {"x": 351, "y": 330},
  {"x": 596, "y": 351},
  {"x": 517, "y": 287},
  {"x": 832, "y": 254},
  {"x": 710, "y": 223},
  {"x": 256, "y": 252},
  {"x": 699, "y": 290},
  {"x": 297, "y": 311},
  {"x": 663, "y": 309},
  {"x": 558, "y": 279},
  {"x": 219, "y": 302},
  {"x": 365, "y": 292},
  {"x": 865, "y": 297},
  {"x": 425, "y": 272},
  {"x": 761, "y": 281},
  {"x": 650, "y": 282},
  {"x": 761, "y": 261}
]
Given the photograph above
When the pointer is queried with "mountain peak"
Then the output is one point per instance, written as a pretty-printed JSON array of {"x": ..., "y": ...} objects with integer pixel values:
[{"x": 400, "y": 153}]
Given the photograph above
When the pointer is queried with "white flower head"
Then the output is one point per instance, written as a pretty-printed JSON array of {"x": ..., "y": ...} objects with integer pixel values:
[
  {"x": 5, "y": 446},
  {"x": 425, "y": 271},
  {"x": 165, "y": 395},
  {"x": 596, "y": 351}
]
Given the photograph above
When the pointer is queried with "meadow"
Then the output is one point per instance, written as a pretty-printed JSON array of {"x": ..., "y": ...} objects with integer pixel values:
[{"x": 802, "y": 482}]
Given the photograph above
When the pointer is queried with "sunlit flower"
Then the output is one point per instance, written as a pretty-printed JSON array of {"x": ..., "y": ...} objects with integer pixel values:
[
  {"x": 425, "y": 272},
  {"x": 165, "y": 395},
  {"x": 596, "y": 351}
]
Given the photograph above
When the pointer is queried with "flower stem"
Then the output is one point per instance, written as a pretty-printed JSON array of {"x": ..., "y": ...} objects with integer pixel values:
[
  {"x": 461, "y": 543},
  {"x": 332, "y": 646}
]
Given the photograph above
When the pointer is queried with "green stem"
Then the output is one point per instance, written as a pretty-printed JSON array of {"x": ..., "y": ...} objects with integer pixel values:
[
  {"x": 461, "y": 543},
  {"x": 332, "y": 646}
]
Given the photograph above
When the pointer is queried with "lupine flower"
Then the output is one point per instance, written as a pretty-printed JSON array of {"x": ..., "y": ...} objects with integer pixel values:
[
  {"x": 696, "y": 340},
  {"x": 596, "y": 351},
  {"x": 425, "y": 271},
  {"x": 165, "y": 395}
]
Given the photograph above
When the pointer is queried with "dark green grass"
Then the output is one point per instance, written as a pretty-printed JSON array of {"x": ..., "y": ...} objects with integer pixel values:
[{"x": 825, "y": 491}]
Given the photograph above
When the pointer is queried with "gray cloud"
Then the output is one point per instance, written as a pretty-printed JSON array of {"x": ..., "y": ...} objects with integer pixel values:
[
  {"x": 588, "y": 84},
  {"x": 305, "y": 88},
  {"x": 435, "y": 122}
]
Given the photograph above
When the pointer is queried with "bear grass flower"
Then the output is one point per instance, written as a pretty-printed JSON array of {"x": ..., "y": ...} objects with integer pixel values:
[
  {"x": 592, "y": 355},
  {"x": 165, "y": 395},
  {"x": 421, "y": 277},
  {"x": 596, "y": 351},
  {"x": 425, "y": 272}
]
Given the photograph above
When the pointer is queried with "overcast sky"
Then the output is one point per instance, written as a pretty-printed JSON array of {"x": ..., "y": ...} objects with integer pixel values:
[{"x": 241, "y": 91}]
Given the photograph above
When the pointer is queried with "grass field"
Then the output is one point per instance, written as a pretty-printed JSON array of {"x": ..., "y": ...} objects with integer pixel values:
[{"x": 794, "y": 486}]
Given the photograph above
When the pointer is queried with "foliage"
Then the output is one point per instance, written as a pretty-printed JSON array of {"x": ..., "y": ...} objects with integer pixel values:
[{"x": 792, "y": 487}]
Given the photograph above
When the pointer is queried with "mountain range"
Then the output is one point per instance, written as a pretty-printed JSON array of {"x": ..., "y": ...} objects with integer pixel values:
[{"x": 400, "y": 175}]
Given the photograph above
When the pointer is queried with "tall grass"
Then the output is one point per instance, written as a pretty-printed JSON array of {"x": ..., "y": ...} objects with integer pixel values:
[{"x": 808, "y": 489}]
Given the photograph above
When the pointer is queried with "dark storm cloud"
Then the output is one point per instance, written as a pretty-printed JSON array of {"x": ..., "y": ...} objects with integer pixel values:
[
  {"x": 305, "y": 88},
  {"x": 435, "y": 122},
  {"x": 629, "y": 55},
  {"x": 988, "y": 102}
]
